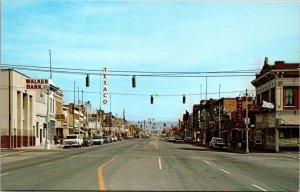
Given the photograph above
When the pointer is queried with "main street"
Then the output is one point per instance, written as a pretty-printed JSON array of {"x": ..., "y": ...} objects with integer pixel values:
[{"x": 148, "y": 164}]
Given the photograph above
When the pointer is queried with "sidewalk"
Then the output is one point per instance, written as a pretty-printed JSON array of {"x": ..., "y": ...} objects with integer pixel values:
[
  {"x": 35, "y": 148},
  {"x": 293, "y": 154}
]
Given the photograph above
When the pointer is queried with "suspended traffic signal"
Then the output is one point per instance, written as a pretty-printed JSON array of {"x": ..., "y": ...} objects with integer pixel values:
[
  {"x": 87, "y": 81},
  {"x": 133, "y": 81},
  {"x": 183, "y": 99},
  {"x": 151, "y": 99}
]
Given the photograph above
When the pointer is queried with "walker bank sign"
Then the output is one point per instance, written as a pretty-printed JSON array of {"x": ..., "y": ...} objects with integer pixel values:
[{"x": 36, "y": 83}]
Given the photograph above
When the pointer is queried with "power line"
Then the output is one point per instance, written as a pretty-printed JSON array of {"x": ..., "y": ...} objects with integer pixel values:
[
  {"x": 136, "y": 94},
  {"x": 232, "y": 73}
]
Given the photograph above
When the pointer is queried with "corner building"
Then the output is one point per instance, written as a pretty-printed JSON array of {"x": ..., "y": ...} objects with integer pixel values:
[{"x": 278, "y": 84}]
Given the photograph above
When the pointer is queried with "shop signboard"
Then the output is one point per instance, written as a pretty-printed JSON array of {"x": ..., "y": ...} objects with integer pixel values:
[{"x": 36, "y": 83}]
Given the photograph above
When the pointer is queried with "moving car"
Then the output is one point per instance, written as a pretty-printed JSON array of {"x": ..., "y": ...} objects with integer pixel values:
[{"x": 217, "y": 142}]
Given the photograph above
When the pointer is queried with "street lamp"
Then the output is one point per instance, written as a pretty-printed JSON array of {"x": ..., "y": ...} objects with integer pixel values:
[
  {"x": 247, "y": 122},
  {"x": 47, "y": 91}
]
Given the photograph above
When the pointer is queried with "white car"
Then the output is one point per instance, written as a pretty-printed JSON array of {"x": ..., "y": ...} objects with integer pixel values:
[
  {"x": 114, "y": 138},
  {"x": 98, "y": 140},
  {"x": 73, "y": 140}
]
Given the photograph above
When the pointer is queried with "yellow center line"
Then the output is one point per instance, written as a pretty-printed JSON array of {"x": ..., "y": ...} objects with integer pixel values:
[{"x": 100, "y": 175}]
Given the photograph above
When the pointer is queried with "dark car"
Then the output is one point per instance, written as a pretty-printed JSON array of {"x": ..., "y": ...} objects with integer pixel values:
[
  {"x": 106, "y": 139},
  {"x": 87, "y": 142},
  {"x": 217, "y": 143},
  {"x": 188, "y": 140},
  {"x": 120, "y": 138},
  {"x": 172, "y": 139}
]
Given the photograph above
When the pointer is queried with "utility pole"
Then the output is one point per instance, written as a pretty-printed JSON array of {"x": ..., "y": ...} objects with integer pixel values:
[
  {"x": 246, "y": 122},
  {"x": 74, "y": 109},
  {"x": 50, "y": 64},
  {"x": 100, "y": 125},
  {"x": 78, "y": 96},
  {"x": 82, "y": 107},
  {"x": 219, "y": 112},
  {"x": 205, "y": 113},
  {"x": 200, "y": 93},
  {"x": 9, "y": 107}
]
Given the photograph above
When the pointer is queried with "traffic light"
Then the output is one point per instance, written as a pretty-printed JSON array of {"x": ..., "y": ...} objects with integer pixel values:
[
  {"x": 87, "y": 81},
  {"x": 151, "y": 99},
  {"x": 133, "y": 81},
  {"x": 183, "y": 99}
]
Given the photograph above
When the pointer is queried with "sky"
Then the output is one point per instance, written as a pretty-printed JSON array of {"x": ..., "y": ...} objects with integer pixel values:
[{"x": 149, "y": 36}]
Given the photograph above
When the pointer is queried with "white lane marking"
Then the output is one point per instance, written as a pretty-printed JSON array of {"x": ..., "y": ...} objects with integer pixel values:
[
  {"x": 106, "y": 148},
  {"x": 159, "y": 163},
  {"x": 206, "y": 162},
  {"x": 46, "y": 164},
  {"x": 5, "y": 155},
  {"x": 73, "y": 157},
  {"x": 4, "y": 174},
  {"x": 258, "y": 187},
  {"x": 294, "y": 157},
  {"x": 135, "y": 146},
  {"x": 225, "y": 171}
]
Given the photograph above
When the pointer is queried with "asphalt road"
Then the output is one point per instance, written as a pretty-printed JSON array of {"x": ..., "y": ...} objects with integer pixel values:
[{"x": 148, "y": 164}]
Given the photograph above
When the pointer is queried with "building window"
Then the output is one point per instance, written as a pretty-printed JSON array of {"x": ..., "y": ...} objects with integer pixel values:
[
  {"x": 273, "y": 96},
  {"x": 288, "y": 97},
  {"x": 37, "y": 129}
]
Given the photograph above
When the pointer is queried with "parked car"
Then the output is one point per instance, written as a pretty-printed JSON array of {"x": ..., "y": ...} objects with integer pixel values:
[
  {"x": 114, "y": 138},
  {"x": 106, "y": 139},
  {"x": 130, "y": 137},
  {"x": 188, "y": 139},
  {"x": 73, "y": 140},
  {"x": 172, "y": 139},
  {"x": 98, "y": 140},
  {"x": 217, "y": 142},
  {"x": 119, "y": 138},
  {"x": 177, "y": 137},
  {"x": 87, "y": 142}
]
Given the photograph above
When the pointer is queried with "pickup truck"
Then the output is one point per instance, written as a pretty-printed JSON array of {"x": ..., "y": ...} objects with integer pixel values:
[{"x": 73, "y": 140}]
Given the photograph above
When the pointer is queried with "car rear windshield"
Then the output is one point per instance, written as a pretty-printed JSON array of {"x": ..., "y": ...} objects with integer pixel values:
[{"x": 71, "y": 137}]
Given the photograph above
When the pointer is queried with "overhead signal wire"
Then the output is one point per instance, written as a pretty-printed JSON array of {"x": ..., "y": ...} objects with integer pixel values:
[
  {"x": 134, "y": 94},
  {"x": 232, "y": 73}
]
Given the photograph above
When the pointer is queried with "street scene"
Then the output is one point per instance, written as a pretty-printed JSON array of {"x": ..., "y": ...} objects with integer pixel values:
[
  {"x": 149, "y": 164},
  {"x": 149, "y": 95}
]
